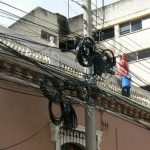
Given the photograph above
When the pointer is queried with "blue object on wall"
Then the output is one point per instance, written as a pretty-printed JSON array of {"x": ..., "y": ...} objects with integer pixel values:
[{"x": 125, "y": 81}]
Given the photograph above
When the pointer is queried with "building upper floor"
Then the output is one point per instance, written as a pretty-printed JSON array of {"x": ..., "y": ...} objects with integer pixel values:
[
  {"x": 40, "y": 24},
  {"x": 122, "y": 32},
  {"x": 123, "y": 27}
]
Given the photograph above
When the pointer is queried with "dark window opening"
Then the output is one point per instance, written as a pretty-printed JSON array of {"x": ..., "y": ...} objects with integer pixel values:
[
  {"x": 104, "y": 34},
  {"x": 132, "y": 57},
  {"x": 125, "y": 28},
  {"x": 144, "y": 54},
  {"x": 147, "y": 88},
  {"x": 136, "y": 25},
  {"x": 45, "y": 35},
  {"x": 67, "y": 46}
]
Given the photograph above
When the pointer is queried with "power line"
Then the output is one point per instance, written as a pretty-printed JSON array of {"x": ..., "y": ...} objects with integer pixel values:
[
  {"x": 124, "y": 41},
  {"x": 27, "y": 13},
  {"x": 28, "y": 138},
  {"x": 115, "y": 30},
  {"x": 33, "y": 16},
  {"x": 118, "y": 43},
  {"x": 52, "y": 58},
  {"x": 78, "y": 82}
]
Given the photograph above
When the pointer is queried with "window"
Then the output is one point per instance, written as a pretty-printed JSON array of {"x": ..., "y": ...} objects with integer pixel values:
[
  {"x": 45, "y": 35},
  {"x": 104, "y": 34},
  {"x": 132, "y": 57},
  {"x": 131, "y": 26},
  {"x": 136, "y": 25},
  {"x": 125, "y": 28},
  {"x": 138, "y": 55},
  {"x": 144, "y": 54},
  {"x": 107, "y": 33}
]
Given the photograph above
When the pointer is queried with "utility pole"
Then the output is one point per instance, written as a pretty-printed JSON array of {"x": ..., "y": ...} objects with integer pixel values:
[{"x": 90, "y": 121}]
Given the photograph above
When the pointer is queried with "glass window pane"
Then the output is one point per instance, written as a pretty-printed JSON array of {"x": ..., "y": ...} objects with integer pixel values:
[
  {"x": 132, "y": 57},
  {"x": 125, "y": 28},
  {"x": 107, "y": 33},
  {"x": 144, "y": 54},
  {"x": 136, "y": 25}
]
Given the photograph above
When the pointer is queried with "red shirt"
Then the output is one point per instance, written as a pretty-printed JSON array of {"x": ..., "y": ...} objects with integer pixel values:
[{"x": 123, "y": 68}]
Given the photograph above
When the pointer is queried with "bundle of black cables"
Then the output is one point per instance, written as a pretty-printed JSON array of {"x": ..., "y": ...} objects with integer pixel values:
[
  {"x": 103, "y": 62},
  {"x": 70, "y": 117},
  {"x": 98, "y": 64},
  {"x": 108, "y": 59},
  {"x": 53, "y": 97},
  {"x": 86, "y": 49}
]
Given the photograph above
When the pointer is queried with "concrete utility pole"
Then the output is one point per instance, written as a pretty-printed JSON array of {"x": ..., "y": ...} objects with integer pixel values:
[{"x": 90, "y": 121}]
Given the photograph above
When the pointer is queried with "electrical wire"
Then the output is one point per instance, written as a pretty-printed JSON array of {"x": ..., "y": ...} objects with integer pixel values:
[
  {"x": 121, "y": 44},
  {"x": 29, "y": 21},
  {"x": 68, "y": 115},
  {"x": 70, "y": 8},
  {"x": 31, "y": 60},
  {"x": 23, "y": 11},
  {"x": 27, "y": 139},
  {"x": 52, "y": 58},
  {"x": 35, "y": 17},
  {"x": 55, "y": 60},
  {"x": 117, "y": 31},
  {"x": 126, "y": 48},
  {"x": 20, "y": 92},
  {"x": 27, "y": 13}
]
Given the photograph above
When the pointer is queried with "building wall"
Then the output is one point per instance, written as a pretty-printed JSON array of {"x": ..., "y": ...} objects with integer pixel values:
[
  {"x": 114, "y": 15},
  {"x": 24, "y": 115},
  {"x": 124, "y": 135},
  {"x": 123, "y": 10},
  {"x": 21, "y": 116},
  {"x": 43, "y": 20}
]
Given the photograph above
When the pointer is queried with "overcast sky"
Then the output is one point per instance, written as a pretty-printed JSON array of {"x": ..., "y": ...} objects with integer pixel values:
[{"x": 55, "y": 6}]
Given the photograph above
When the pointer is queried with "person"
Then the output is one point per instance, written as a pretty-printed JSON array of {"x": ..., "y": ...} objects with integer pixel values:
[{"x": 125, "y": 77}]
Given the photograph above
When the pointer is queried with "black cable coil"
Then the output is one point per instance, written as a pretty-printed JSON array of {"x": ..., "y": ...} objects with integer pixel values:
[
  {"x": 109, "y": 59},
  {"x": 86, "y": 49},
  {"x": 68, "y": 114},
  {"x": 53, "y": 97},
  {"x": 98, "y": 64}
]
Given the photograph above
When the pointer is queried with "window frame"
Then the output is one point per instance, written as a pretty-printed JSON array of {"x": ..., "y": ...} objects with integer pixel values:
[
  {"x": 49, "y": 35},
  {"x": 130, "y": 26}
]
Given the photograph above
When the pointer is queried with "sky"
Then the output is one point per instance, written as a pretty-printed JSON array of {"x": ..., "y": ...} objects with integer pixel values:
[{"x": 55, "y": 6}]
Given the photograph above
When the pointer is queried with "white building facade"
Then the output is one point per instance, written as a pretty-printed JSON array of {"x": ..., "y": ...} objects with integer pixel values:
[{"x": 124, "y": 27}]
